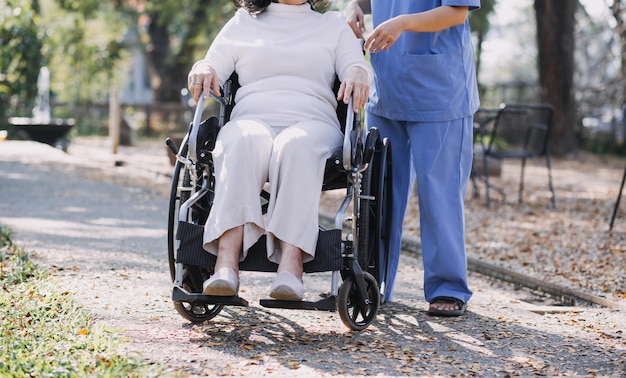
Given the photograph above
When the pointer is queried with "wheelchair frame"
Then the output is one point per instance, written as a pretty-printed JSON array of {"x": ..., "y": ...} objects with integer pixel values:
[{"x": 359, "y": 255}]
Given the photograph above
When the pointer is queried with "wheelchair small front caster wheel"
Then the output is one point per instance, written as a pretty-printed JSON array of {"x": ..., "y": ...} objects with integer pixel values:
[
  {"x": 197, "y": 312},
  {"x": 357, "y": 313}
]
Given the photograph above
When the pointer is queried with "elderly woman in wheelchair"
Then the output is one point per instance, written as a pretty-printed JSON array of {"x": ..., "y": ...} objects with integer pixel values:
[
  {"x": 246, "y": 185},
  {"x": 282, "y": 130}
]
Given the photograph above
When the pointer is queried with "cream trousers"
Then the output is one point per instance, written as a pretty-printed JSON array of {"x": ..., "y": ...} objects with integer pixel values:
[{"x": 247, "y": 154}]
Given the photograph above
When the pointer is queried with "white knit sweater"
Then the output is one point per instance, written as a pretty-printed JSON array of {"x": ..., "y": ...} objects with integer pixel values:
[{"x": 286, "y": 58}]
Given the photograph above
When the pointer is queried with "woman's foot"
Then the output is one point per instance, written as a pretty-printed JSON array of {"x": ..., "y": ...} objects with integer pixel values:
[
  {"x": 287, "y": 287},
  {"x": 223, "y": 283}
]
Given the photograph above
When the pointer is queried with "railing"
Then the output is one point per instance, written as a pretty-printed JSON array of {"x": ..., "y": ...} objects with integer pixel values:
[{"x": 152, "y": 120}]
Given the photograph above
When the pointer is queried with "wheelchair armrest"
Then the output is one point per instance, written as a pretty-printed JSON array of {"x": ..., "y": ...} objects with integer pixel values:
[{"x": 371, "y": 141}]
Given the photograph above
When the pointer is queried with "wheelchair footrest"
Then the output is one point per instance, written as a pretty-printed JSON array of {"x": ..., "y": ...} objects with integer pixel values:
[
  {"x": 327, "y": 304},
  {"x": 181, "y": 295}
]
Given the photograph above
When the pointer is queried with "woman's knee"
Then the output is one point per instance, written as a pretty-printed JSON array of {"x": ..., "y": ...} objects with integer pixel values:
[
  {"x": 245, "y": 135},
  {"x": 314, "y": 138}
]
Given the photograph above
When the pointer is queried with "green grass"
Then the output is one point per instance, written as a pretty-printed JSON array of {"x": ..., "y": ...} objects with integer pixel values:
[{"x": 45, "y": 333}]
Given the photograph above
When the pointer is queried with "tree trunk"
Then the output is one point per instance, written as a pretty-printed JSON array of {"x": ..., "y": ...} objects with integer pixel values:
[
  {"x": 480, "y": 25},
  {"x": 555, "y": 42},
  {"x": 159, "y": 58},
  {"x": 620, "y": 28},
  {"x": 169, "y": 69}
]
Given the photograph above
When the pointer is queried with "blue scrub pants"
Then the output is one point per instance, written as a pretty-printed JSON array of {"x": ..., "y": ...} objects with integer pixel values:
[{"x": 442, "y": 158}]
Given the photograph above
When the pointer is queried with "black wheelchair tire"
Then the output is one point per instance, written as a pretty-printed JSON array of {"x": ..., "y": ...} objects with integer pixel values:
[
  {"x": 353, "y": 313},
  {"x": 365, "y": 214},
  {"x": 172, "y": 220},
  {"x": 384, "y": 192},
  {"x": 374, "y": 221}
]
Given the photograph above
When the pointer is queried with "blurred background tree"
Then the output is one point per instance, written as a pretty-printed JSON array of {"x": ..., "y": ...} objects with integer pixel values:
[
  {"x": 21, "y": 56},
  {"x": 527, "y": 50},
  {"x": 83, "y": 49},
  {"x": 176, "y": 33},
  {"x": 617, "y": 10},
  {"x": 85, "y": 44},
  {"x": 556, "y": 45},
  {"x": 480, "y": 26},
  {"x": 173, "y": 34},
  {"x": 567, "y": 53}
]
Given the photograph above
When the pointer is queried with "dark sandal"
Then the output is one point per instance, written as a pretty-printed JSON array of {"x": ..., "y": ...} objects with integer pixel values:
[{"x": 461, "y": 307}]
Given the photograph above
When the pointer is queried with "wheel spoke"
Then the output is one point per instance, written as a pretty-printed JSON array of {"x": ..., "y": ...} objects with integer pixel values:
[
  {"x": 355, "y": 313},
  {"x": 194, "y": 309}
]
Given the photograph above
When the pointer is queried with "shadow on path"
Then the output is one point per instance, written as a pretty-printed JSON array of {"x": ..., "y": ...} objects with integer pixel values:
[{"x": 404, "y": 341}]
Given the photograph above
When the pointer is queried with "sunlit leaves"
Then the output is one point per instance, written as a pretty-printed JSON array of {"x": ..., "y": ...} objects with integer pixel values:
[
  {"x": 85, "y": 7},
  {"x": 20, "y": 54}
]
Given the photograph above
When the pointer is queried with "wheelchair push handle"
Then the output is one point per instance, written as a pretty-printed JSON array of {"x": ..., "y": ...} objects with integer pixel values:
[
  {"x": 357, "y": 151},
  {"x": 172, "y": 146}
]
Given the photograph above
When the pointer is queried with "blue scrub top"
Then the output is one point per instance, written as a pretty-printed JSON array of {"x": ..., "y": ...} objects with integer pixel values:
[{"x": 424, "y": 77}]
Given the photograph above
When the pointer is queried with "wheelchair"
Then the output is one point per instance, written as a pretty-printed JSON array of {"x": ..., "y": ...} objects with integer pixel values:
[{"x": 355, "y": 249}]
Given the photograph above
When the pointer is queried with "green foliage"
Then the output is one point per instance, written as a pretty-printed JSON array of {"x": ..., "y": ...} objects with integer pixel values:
[
  {"x": 480, "y": 25},
  {"x": 21, "y": 56},
  {"x": 5, "y": 237},
  {"x": 87, "y": 8},
  {"x": 84, "y": 49},
  {"x": 45, "y": 333},
  {"x": 16, "y": 266},
  {"x": 479, "y": 19},
  {"x": 83, "y": 44},
  {"x": 179, "y": 33}
]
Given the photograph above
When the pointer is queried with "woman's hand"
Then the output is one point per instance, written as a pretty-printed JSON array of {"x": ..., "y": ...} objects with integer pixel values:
[
  {"x": 356, "y": 84},
  {"x": 202, "y": 75}
]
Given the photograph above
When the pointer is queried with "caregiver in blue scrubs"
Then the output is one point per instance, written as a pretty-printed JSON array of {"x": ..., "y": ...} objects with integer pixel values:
[{"x": 424, "y": 98}]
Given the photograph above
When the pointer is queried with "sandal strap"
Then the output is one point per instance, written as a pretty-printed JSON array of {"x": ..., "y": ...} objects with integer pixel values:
[{"x": 456, "y": 301}]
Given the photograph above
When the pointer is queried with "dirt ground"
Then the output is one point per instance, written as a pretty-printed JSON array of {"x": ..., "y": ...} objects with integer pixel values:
[
  {"x": 98, "y": 222},
  {"x": 569, "y": 245}
]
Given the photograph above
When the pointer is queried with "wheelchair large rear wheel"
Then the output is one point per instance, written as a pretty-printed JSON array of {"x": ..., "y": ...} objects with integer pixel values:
[
  {"x": 374, "y": 216},
  {"x": 355, "y": 312},
  {"x": 176, "y": 198}
]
